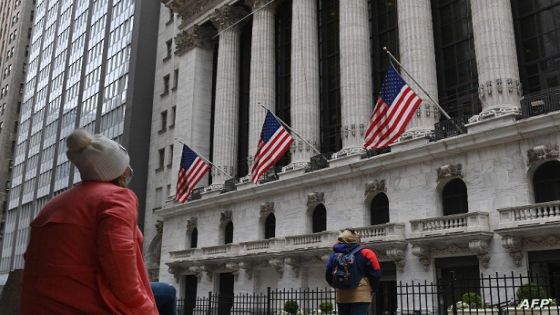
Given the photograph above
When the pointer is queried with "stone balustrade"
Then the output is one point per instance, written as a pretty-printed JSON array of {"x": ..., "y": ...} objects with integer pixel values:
[
  {"x": 326, "y": 238},
  {"x": 228, "y": 249},
  {"x": 539, "y": 213},
  {"x": 451, "y": 224},
  {"x": 262, "y": 245},
  {"x": 185, "y": 253},
  {"x": 382, "y": 232}
]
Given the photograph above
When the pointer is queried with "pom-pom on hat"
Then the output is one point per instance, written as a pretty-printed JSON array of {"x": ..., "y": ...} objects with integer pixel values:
[{"x": 96, "y": 156}]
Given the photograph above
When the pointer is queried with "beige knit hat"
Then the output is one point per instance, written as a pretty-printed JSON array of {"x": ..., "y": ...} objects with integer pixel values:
[
  {"x": 348, "y": 236},
  {"x": 96, "y": 157}
]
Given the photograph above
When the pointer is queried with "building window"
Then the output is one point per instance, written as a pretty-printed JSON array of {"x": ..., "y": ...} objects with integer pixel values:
[
  {"x": 546, "y": 182},
  {"x": 379, "y": 210},
  {"x": 329, "y": 69},
  {"x": 319, "y": 219},
  {"x": 384, "y": 33},
  {"x": 283, "y": 39},
  {"x": 161, "y": 155},
  {"x": 228, "y": 233},
  {"x": 457, "y": 75},
  {"x": 175, "y": 79},
  {"x": 173, "y": 116},
  {"x": 169, "y": 48},
  {"x": 537, "y": 29},
  {"x": 270, "y": 226},
  {"x": 194, "y": 238},
  {"x": 244, "y": 85},
  {"x": 163, "y": 126},
  {"x": 170, "y": 159},
  {"x": 454, "y": 197},
  {"x": 165, "y": 85},
  {"x": 158, "y": 198}
]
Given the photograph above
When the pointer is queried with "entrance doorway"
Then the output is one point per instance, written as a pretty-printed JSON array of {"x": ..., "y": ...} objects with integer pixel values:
[
  {"x": 386, "y": 299},
  {"x": 225, "y": 293},
  {"x": 455, "y": 277},
  {"x": 544, "y": 266},
  {"x": 191, "y": 283}
]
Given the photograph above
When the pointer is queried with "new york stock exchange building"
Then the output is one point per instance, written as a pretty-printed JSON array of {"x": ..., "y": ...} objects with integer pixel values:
[{"x": 459, "y": 199}]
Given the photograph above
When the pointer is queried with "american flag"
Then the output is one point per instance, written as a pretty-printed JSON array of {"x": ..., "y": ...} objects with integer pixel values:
[
  {"x": 193, "y": 168},
  {"x": 274, "y": 142},
  {"x": 393, "y": 111}
]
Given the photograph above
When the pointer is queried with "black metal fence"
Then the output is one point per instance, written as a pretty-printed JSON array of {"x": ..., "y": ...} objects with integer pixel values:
[
  {"x": 543, "y": 102},
  {"x": 486, "y": 294}
]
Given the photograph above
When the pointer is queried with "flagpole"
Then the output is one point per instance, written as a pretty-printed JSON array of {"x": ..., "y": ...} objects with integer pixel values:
[
  {"x": 203, "y": 158},
  {"x": 294, "y": 132}
]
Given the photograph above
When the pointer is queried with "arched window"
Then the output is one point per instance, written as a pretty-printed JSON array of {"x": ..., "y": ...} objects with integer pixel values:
[
  {"x": 319, "y": 219},
  {"x": 454, "y": 197},
  {"x": 228, "y": 233},
  {"x": 270, "y": 226},
  {"x": 379, "y": 210},
  {"x": 194, "y": 238},
  {"x": 546, "y": 182}
]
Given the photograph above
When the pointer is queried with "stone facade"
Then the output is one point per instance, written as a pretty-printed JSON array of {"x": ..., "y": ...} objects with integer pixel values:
[{"x": 495, "y": 160}]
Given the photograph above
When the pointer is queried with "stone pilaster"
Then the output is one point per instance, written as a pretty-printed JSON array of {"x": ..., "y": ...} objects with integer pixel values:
[
  {"x": 226, "y": 113},
  {"x": 496, "y": 58},
  {"x": 262, "y": 83},
  {"x": 355, "y": 74},
  {"x": 194, "y": 98},
  {"x": 304, "y": 109},
  {"x": 417, "y": 55}
]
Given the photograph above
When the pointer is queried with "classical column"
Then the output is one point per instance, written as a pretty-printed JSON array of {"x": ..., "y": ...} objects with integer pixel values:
[
  {"x": 262, "y": 82},
  {"x": 304, "y": 85},
  {"x": 355, "y": 75},
  {"x": 194, "y": 50},
  {"x": 226, "y": 110},
  {"x": 417, "y": 55},
  {"x": 496, "y": 58}
]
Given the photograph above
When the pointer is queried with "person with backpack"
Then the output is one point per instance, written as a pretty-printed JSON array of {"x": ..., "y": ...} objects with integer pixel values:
[{"x": 354, "y": 272}]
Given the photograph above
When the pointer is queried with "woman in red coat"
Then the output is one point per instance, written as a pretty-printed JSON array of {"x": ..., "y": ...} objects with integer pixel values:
[{"x": 84, "y": 255}]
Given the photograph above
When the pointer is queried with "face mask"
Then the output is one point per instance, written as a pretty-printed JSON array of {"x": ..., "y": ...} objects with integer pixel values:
[{"x": 129, "y": 178}]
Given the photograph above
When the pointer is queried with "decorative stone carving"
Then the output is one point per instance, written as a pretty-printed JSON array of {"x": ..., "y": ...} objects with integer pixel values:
[
  {"x": 423, "y": 254},
  {"x": 549, "y": 241},
  {"x": 450, "y": 171},
  {"x": 375, "y": 186},
  {"x": 543, "y": 153},
  {"x": 196, "y": 36},
  {"x": 267, "y": 208},
  {"x": 232, "y": 266},
  {"x": 315, "y": 198},
  {"x": 191, "y": 224},
  {"x": 277, "y": 264},
  {"x": 225, "y": 217},
  {"x": 257, "y": 4},
  {"x": 294, "y": 263},
  {"x": 247, "y": 268},
  {"x": 397, "y": 254},
  {"x": 480, "y": 248},
  {"x": 513, "y": 245},
  {"x": 189, "y": 10},
  {"x": 226, "y": 16}
]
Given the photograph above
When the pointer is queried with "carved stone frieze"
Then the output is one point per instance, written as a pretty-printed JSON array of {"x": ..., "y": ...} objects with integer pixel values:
[
  {"x": 225, "y": 217},
  {"x": 267, "y": 208},
  {"x": 375, "y": 186},
  {"x": 196, "y": 36},
  {"x": 315, "y": 198},
  {"x": 542, "y": 153},
  {"x": 226, "y": 16},
  {"x": 191, "y": 224},
  {"x": 550, "y": 241},
  {"x": 450, "y": 171}
]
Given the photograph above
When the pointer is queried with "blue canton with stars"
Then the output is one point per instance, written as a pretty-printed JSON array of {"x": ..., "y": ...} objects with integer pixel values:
[
  {"x": 392, "y": 85},
  {"x": 188, "y": 157},
  {"x": 270, "y": 127}
]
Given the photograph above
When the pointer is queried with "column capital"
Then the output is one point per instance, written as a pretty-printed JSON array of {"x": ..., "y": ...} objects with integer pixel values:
[
  {"x": 226, "y": 16},
  {"x": 257, "y": 4},
  {"x": 196, "y": 36}
]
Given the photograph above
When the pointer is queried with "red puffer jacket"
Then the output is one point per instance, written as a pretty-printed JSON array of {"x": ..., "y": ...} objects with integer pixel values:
[{"x": 84, "y": 255}]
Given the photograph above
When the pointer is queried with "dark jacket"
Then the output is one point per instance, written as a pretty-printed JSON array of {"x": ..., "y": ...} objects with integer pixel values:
[{"x": 370, "y": 272}]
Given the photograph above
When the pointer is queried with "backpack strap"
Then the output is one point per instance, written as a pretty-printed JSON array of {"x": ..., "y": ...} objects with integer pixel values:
[{"x": 357, "y": 249}]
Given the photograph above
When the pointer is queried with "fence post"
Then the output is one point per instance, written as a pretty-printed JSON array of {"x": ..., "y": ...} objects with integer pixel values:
[
  {"x": 268, "y": 301},
  {"x": 210, "y": 303},
  {"x": 453, "y": 302}
]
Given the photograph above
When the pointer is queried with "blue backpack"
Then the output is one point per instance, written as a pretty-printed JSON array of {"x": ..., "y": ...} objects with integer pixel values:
[{"x": 345, "y": 271}]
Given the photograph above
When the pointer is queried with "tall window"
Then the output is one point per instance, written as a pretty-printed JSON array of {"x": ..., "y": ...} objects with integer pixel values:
[
  {"x": 457, "y": 75},
  {"x": 244, "y": 86},
  {"x": 454, "y": 198},
  {"x": 194, "y": 238},
  {"x": 228, "y": 233},
  {"x": 319, "y": 219},
  {"x": 537, "y": 25},
  {"x": 283, "y": 63},
  {"x": 384, "y": 33},
  {"x": 329, "y": 60},
  {"x": 379, "y": 211},
  {"x": 546, "y": 182},
  {"x": 270, "y": 226}
]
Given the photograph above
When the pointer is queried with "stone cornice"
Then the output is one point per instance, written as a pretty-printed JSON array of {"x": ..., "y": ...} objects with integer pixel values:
[
  {"x": 227, "y": 15},
  {"x": 523, "y": 129},
  {"x": 191, "y": 10}
]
